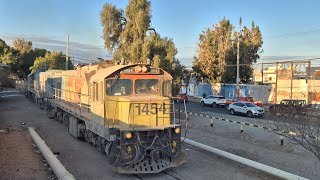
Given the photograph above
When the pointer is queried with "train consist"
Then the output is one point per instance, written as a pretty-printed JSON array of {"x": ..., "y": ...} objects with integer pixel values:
[{"x": 126, "y": 111}]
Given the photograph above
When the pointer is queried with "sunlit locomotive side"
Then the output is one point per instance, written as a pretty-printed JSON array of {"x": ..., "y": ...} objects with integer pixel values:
[{"x": 124, "y": 110}]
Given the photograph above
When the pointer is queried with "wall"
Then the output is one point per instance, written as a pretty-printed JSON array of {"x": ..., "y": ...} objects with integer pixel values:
[{"x": 259, "y": 92}]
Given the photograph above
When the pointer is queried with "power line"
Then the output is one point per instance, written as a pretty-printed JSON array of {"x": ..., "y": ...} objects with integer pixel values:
[
  {"x": 303, "y": 33},
  {"x": 317, "y": 60}
]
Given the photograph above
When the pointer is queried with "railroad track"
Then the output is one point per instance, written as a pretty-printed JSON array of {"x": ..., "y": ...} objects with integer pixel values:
[{"x": 141, "y": 176}]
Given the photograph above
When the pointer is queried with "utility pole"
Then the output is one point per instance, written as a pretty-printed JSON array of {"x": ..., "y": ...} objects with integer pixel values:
[
  {"x": 67, "y": 52},
  {"x": 238, "y": 57},
  {"x": 292, "y": 73}
]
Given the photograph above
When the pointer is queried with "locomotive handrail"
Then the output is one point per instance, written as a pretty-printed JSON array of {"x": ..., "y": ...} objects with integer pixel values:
[{"x": 64, "y": 97}]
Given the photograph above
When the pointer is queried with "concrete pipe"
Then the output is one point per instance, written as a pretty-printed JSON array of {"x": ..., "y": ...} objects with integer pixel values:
[
  {"x": 55, "y": 164},
  {"x": 248, "y": 162}
]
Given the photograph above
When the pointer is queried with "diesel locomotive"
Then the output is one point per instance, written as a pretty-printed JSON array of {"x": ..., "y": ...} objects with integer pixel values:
[{"x": 126, "y": 111}]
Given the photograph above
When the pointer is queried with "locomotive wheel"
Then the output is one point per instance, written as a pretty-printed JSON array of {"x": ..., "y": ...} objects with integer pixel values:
[
  {"x": 65, "y": 119},
  {"x": 114, "y": 152},
  {"x": 98, "y": 143},
  {"x": 41, "y": 105},
  {"x": 50, "y": 112}
]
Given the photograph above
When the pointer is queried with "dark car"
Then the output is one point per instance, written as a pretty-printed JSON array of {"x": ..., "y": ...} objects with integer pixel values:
[{"x": 289, "y": 106}]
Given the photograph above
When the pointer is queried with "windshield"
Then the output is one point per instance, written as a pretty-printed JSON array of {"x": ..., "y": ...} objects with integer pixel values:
[
  {"x": 146, "y": 86},
  {"x": 250, "y": 105},
  {"x": 118, "y": 87}
]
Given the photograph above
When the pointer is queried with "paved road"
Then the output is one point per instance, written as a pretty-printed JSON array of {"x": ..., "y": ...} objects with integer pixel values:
[
  {"x": 85, "y": 162},
  {"x": 255, "y": 143}
]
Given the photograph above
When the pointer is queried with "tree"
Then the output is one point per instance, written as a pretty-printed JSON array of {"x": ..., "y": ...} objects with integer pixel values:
[
  {"x": 10, "y": 57},
  {"x": 294, "y": 124},
  {"x": 52, "y": 60},
  {"x": 126, "y": 42},
  {"x": 22, "y": 46},
  {"x": 250, "y": 48},
  {"x": 127, "y": 38},
  {"x": 214, "y": 46},
  {"x": 111, "y": 18},
  {"x": 217, "y": 55}
]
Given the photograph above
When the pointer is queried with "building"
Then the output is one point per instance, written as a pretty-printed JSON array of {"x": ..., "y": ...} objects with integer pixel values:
[{"x": 268, "y": 74}]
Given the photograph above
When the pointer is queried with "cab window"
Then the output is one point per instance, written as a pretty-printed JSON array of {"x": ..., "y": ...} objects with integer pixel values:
[
  {"x": 167, "y": 89},
  {"x": 118, "y": 87},
  {"x": 146, "y": 86}
]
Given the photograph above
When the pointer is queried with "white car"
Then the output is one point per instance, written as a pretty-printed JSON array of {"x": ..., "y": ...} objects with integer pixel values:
[
  {"x": 213, "y": 100},
  {"x": 247, "y": 108}
]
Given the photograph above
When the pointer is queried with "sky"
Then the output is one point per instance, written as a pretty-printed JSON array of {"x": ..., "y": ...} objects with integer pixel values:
[{"x": 290, "y": 28}]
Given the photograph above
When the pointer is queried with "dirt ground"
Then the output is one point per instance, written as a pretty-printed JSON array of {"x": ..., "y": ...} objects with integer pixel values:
[{"x": 19, "y": 157}]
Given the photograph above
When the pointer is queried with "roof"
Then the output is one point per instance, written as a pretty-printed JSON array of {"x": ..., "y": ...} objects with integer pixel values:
[
  {"x": 243, "y": 102},
  {"x": 105, "y": 72}
]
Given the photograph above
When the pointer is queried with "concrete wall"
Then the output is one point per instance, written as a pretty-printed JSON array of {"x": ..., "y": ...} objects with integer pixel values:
[
  {"x": 259, "y": 92},
  {"x": 301, "y": 89}
]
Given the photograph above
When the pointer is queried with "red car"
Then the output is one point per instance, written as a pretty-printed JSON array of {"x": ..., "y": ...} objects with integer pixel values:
[
  {"x": 182, "y": 97},
  {"x": 248, "y": 99}
]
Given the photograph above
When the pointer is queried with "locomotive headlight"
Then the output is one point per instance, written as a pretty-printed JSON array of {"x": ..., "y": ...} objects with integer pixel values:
[
  {"x": 144, "y": 69},
  {"x": 177, "y": 130},
  {"x": 128, "y": 135},
  {"x": 138, "y": 69}
]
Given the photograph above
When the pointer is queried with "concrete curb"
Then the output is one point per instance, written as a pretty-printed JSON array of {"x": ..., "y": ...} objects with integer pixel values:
[
  {"x": 248, "y": 162},
  {"x": 55, "y": 164}
]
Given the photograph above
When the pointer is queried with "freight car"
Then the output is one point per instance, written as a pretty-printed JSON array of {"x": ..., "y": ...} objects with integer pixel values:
[{"x": 126, "y": 111}]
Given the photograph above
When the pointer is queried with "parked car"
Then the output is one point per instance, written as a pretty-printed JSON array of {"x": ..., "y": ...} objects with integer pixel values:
[
  {"x": 246, "y": 107},
  {"x": 247, "y": 99},
  {"x": 213, "y": 100},
  {"x": 182, "y": 97},
  {"x": 290, "y": 106}
]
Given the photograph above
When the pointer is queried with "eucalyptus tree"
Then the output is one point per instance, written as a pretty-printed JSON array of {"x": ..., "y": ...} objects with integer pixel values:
[
  {"x": 217, "y": 55},
  {"x": 127, "y": 34}
]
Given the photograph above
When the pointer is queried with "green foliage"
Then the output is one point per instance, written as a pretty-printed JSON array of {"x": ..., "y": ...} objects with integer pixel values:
[
  {"x": 23, "y": 58},
  {"x": 29, "y": 57},
  {"x": 218, "y": 48},
  {"x": 22, "y": 46},
  {"x": 110, "y": 18},
  {"x": 52, "y": 60},
  {"x": 10, "y": 57},
  {"x": 129, "y": 38}
]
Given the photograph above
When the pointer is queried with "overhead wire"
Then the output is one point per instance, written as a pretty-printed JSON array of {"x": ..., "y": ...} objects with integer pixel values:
[{"x": 303, "y": 33}]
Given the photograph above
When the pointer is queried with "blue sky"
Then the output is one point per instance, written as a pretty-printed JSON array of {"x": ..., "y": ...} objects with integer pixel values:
[{"x": 46, "y": 23}]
